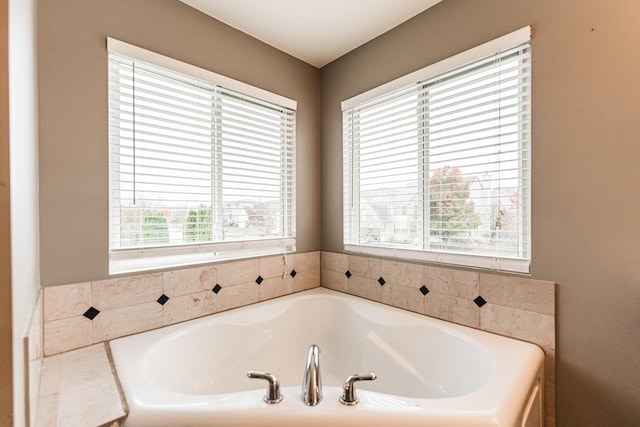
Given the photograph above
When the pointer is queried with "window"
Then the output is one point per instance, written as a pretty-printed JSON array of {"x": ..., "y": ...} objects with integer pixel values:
[
  {"x": 201, "y": 166},
  {"x": 436, "y": 163}
]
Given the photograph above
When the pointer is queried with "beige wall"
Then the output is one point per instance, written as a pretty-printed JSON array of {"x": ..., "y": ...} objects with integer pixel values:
[
  {"x": 585, "y": 171},
  {"x": 6, "y": 390},
  {"x": 73, "y": 115}
]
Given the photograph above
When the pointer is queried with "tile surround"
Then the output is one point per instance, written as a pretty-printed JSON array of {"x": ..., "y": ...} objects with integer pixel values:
[
  {"x": 78, "y": 389},
  {"x": 34, "y": 356},
  {"x": 132, "y": 304},
  {"x": 514, "y": 306}
]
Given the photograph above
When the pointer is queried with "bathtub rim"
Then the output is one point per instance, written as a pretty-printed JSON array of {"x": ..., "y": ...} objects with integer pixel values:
[{"x": 482, "y": 402}]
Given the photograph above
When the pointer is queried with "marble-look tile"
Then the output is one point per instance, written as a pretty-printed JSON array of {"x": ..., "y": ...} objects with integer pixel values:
[
  {"x": 188, "y": 281},
  {"x": 333, "y": 280},
  {"x": 276, "y": 287},
  {"x": 364, "y": 267},
  {"x": 47, "y": 411},
  {"x": 308, "y": 279},
  {"x": 34, "y": 357},
  {"x": 452, "y": 309},
  {"x": 66, "y": 334},
  {"x": 518, "y": 292},
  {"x": 306, "y": 262},
  {"x": 550, "y": 381},
  {"x": 403, "y": 273},
  {"x": 334, "y": 262},
  {"x": 365, "y": 288},
  {"x": 235, "y": 273},
  {"x": 126, "y": 291},
  {"x": 408, "y": 298},
  {"x": 119, "y": 322},
  {"x": 66, "y": 300},
  {"x": 51, "y": 375},
  {"x": 550, "y": 399},
  {"x": 187, "y": 307},
  {"x": 237, "y": 296},
  {"x": 521, "y": 324},
  {"x": 273, "y": 266},
  {"x": 456, "y": 283},
  {"x": 89, "y": 395}
]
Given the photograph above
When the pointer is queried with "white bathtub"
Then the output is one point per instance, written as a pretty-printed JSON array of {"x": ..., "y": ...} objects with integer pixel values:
[{"x": 430, "y": 372}]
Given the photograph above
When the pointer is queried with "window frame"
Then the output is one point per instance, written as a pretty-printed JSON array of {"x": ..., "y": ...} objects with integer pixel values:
[
  {"x": 520, "y": 264},
  {"x": 143, "y": 258}
]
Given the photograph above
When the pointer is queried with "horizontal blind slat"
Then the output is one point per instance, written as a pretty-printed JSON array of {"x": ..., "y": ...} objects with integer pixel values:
[
  {"x": 442, "y": 163},
  {"x": 181, "y": 148}
]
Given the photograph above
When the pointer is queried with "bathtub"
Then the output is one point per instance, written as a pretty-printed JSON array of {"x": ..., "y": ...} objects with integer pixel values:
[{"x": 429, "y": 372}]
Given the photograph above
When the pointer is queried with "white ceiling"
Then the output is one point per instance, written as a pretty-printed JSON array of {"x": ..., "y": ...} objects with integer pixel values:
[{"x": 315, "y": 31}]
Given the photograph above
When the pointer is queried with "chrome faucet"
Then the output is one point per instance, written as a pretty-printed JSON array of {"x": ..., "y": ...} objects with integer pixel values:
[
  {"x": 311, "y": 383},
  {"x": 349, "y": 397},
  {"x": 273, "y": 390}
]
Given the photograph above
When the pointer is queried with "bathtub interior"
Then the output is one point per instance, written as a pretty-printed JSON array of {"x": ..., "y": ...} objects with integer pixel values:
[{"x": 411, "y": 358}]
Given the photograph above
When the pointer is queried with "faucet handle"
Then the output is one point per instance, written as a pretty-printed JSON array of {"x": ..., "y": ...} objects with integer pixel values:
[
  {"x": 273, "y": 390},
  {"x": 349, "y": 397}
]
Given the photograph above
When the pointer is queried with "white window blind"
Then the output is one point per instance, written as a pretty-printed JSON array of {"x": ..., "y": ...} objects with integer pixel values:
[
  {"x": 198, "y": 172},
  {"x": 439, "y": 170}
]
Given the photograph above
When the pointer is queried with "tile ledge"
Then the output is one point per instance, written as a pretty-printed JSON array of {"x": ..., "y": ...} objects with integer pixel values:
[{"x": 90, "y": 365}]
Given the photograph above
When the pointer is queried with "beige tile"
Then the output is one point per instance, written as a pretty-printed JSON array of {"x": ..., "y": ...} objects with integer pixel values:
[
  {"x": 550, "y": 399},
  {"x": 119, "y": 322},
  {"x": 66, "y": 301},
  {"x": 550, "y": 382},
  {"x": 333, "y": 280},
  {"x": 306, "y": 280},
  {"x": 34, "y": 357},
  {"x": 126, "y": 291},
  {"x": 518, "y": 292},
  {"x": 550, "y": 366},
  {"x": 448, "y": 281},
  {"x": 66, "y": 334},
  {"x": 47, "y": 411},
  {"x": 368, "y": 268},
  {"x": 276, "y": 287},
  {"x": 306, "y": 262},
  {"x": 273, "y": 266},
  {"x": 403, "y": 273},
  {"x": 365, "y": 288},
  {"x": 452, "y": 309},
  {"x": 408, "y": 298},
  {"x": 51, "y": 375},
  {"x": 525, "y": 325},
  {"x": 235, "y": 273},
  {"x": 237, "y": 296},
  {"x": 187, "y": 307},
  {"x": 188, "y": 281},
  {"x": 89, "y": 394},
  {"x": 208, "y": 278},
  {"x": 334, "y": 262}
]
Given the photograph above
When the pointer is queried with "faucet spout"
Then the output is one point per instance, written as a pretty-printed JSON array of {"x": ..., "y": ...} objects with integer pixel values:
[{"x": 312, "y": 383}]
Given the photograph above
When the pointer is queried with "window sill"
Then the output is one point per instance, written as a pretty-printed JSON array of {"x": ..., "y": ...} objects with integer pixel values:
[
  {"x": 514, "y": 265},
  {"x": 145, "y": 259}
]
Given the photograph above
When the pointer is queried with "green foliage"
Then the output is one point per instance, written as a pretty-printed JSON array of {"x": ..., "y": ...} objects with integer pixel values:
[
  {"x": 198, "y": 225},
  {"x": 451, "y": 213},
  {"x": 155, "y": 230}
]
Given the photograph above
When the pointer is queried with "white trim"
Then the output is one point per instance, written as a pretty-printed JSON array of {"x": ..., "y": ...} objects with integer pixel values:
[
  {"x": 142, "y": 259},
  {"x": 463, "y": 260},
  {"x": 126, "y": 49},
  {"x": 494, "y": 46}
]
